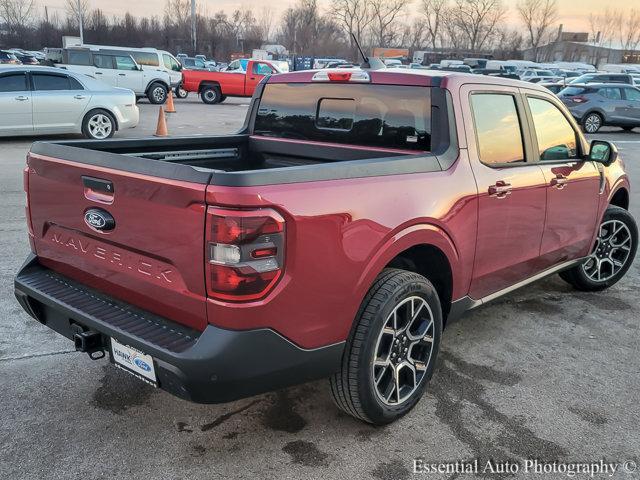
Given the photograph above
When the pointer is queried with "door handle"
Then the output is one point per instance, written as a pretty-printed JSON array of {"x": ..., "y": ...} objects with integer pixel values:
[
  {"x": 559, "y": 182},
  {"x": 98, "y": 73},
  {"x": 79, "y": 97},
  {"x": 22, "y": 98},
  {"x": 122, "y": 74},
  {"x": 500, "y": 190},
  {"x": 252, "y": 78}
]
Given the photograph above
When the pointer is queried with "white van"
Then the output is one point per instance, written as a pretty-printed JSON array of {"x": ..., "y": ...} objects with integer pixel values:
[
  {"x": 148, "y": 72},
  {"x": 624, "y": 68}
]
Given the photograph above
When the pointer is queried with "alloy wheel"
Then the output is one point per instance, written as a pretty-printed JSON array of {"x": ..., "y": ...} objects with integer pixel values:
[
  {"x": 159, "y": 94},
  {"x": 611, "y": 252},
  {"x": 100, "y": 126},
  {"x": 403, "y": 351},
  {"x": 592, "y": 123}
]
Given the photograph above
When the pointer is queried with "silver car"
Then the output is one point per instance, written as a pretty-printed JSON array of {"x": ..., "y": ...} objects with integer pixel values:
[{"x": 45, "y": 100}]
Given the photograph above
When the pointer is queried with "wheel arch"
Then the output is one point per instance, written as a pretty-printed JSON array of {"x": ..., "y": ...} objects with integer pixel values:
[
  {"x": 620, "y": 198},
  {"x": 425, "y": 249},
  {"x": 208, "y": 83},
  {"x": 104, "y": 109},
  {"x": 154, "y": 81}
]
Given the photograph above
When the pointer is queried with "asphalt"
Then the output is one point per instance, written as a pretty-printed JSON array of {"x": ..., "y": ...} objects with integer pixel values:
[{"x": 545, "y": 373}]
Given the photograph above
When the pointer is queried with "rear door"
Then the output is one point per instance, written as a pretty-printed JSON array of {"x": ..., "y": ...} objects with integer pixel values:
[
  {"x": 572, "y": 184},
  {"x": 153, "y": 257},
  {"x": 612, "y": 103},
  {"x": 59, "y": 102},
  {"x": 512, "y": 190},
  {"x": 15, "y": 104},
  {"x": 104, "y": 69}
]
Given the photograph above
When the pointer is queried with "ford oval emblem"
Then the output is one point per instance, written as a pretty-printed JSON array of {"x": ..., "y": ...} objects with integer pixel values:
[
  {"x": 99, "y": 219},
  {"x": 142, "y": 364}
]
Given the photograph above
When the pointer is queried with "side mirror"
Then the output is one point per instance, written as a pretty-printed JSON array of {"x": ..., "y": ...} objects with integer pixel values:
[{"x": 603, "y": 152}]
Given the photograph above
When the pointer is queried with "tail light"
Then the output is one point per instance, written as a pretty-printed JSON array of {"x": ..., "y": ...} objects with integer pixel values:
[
  {"x": 245, "y": 253},
  {"x": 578, "y": 99},
  {"x": 27, "y": 207},
  {"x": 358, "y": 76}
]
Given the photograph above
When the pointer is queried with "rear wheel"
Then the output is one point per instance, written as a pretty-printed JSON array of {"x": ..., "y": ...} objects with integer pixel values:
[
  {"x": 592, "y": 122},
  {"x": 390, "y": 356},
  {"x": 210, "y": 94},
  {"x": 157, "y": 93},
  {"x": 98, "y": 125},
  {"x": 612, "y": 254}
]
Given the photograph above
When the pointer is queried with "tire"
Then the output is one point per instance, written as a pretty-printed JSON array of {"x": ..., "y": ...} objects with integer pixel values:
[
  {"x": 628, "y": 129},
  {"x": 181, "y": 92},
  {"x": 98, "y": 125},
  {"x": 591, "y": 277},
  {"x": 157, "y": 93},
  {"x": 353, "y": 388},
  {"x": 210, "y": 94},
  {"x": 222, "y": 98},
  {"x": 592, "y": 122}
]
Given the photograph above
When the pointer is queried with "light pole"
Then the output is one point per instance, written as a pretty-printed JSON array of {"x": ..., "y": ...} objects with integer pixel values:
[
  {"x": 80, "y": 23},
  {"x": 193, "y": 26}
]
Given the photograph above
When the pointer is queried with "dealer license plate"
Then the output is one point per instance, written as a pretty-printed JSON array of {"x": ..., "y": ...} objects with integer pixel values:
[{"x": 134, "y": 361}]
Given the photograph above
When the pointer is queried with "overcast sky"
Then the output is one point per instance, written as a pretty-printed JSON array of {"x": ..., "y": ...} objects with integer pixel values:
[{"x": 573, "y": 13}]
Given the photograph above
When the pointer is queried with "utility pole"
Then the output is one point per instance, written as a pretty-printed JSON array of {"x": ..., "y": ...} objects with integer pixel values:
[
  {"x": 194, "y": 42},
  {"x": 80, "y": 23}
]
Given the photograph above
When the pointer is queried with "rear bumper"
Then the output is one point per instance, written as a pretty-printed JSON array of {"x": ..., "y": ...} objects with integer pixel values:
[{"x": 212, "y": 366}]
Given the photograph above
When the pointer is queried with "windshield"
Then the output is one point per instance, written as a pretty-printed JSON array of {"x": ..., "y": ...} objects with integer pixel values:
[{"x": 388, "y": 116}]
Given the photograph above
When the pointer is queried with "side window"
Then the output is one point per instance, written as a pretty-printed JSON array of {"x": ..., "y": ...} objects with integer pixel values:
[
  {"x": 146, "y": 58},
  {"x": 103, "y": 61},
  {"x": 170, "y": 63},
  {"x": 632, "y": 94},
  {"x": 75, "y": 84},
  {"x": 498, "y": 129},
  {"x": 199, "y": 63},
  {"x": 556, "y": 137},
  {"x": 45, "y": 82},
  {"x": 125, "y": 63},
  {"x": 261, "y": 69},
  {"x": 15, "y": 82},
  {"x": 79, "y": 57},
  {"x": 611, "y": 93}
]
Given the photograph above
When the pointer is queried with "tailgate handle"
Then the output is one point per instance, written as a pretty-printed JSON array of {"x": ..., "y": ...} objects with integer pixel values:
[{"x": 98, "y": 189}]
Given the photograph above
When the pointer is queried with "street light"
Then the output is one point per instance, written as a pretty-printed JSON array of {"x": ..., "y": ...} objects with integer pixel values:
[{"x": 80, "y": 23}]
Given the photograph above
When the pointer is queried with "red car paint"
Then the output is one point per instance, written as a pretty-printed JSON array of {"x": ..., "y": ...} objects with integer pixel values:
[
  {"x": 232, "y": 84},
  {"x": 340, "y": 234}
]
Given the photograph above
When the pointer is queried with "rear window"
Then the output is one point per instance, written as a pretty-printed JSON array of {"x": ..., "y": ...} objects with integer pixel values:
[
  {"x": 571, "y": 91},
  {"x": 389, "y": 116}
]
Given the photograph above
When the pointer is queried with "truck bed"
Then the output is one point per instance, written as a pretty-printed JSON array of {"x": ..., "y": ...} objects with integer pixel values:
[{"x": 238, "y": 160}]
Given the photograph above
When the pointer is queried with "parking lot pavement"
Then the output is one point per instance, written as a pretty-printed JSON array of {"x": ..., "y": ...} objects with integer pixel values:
[{"x": 546, "y": 373}]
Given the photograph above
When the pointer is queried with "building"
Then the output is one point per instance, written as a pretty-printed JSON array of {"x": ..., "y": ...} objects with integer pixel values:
[{"x": 586, "y": 52}]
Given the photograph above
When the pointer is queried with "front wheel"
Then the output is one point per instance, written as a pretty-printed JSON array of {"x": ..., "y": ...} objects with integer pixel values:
[
  {"x": 157, "y": 94},
  {"x": 390, "y": 356},
  {"x": 98, "y": 125},
  {"x": 592, "y": 122},
  {"x": 612, "y": 254}
]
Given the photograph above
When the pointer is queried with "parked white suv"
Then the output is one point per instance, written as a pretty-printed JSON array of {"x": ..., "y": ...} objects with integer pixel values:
[{"x": 116, "y": 68}]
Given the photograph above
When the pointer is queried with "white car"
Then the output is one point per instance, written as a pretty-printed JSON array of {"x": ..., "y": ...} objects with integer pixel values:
[
  {"x": 37, "y": 100},
  {"x": 537, "y": 75}
]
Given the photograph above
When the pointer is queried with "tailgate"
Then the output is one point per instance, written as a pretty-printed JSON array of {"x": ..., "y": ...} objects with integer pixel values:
[{"x": 136, "y": 237}]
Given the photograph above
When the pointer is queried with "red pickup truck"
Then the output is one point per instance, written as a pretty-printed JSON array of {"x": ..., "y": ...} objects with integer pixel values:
[
  {"x": 354, "y": 214},
  {"x": 215, "y": 87}
]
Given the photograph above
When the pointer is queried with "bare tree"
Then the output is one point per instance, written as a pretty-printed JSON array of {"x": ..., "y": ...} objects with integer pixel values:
[
  {"x": 415, "y": 35},
  {"x": 478, "y": 20},
  {"x": 629, "y": 35},
  {"x": 433, "y": 12},
  {"x": 385, "y": 13},
  {"x": 76, "y": 10},
  {"x": 16, "y": 13},
  {"x": 265, "y": 22},
  {"x": 538, "y": 17},
  {"x": 354, "y": 16}
]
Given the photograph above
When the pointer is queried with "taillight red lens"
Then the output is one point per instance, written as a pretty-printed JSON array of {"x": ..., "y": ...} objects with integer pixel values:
[
  {"x": 245, "y": 253},
  {"x": 578, "y": 99}
]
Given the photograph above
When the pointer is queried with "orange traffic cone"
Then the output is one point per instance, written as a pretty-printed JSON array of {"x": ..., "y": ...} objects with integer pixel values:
[
  {"x": 161, "y": 129},
  {"x": 169, "y": 108}
]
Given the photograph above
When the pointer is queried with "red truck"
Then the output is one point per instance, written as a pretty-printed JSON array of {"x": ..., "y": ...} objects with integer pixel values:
[
  {"x": 215, "y": 87},
  {"x": 335, "y": 235}
]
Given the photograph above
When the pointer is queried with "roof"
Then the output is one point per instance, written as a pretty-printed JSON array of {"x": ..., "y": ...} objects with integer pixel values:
[
  {"x": 39, "y": 68},
  {"x": 411, "y": 77}
]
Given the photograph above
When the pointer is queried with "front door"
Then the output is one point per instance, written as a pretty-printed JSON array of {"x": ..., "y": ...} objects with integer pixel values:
[
  {"x": 511, "y": 189},
  {"x": 256, "y": 73},
  {"x": 572, "y": 184},
  {"x": 129, "y": 76},
  {"x": 15, "y": 104}
]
